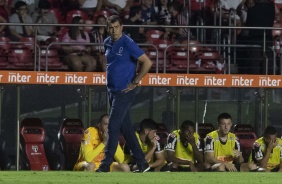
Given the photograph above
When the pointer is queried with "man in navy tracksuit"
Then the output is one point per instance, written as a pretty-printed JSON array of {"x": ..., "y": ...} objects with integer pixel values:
[{"x": 122, "y": 54}]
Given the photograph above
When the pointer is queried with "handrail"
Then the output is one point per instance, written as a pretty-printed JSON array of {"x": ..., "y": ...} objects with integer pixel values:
[
  {"x": 206, "y": 45},
  {"x": 219, "y": 28},
  {"x": 92, "y": 44},
  {"x": 145, "y": 26},
  {"x": 200, "y": 22}
]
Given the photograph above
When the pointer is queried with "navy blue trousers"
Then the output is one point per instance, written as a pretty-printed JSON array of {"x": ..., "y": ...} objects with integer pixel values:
[{"x": 119, "y": 122}]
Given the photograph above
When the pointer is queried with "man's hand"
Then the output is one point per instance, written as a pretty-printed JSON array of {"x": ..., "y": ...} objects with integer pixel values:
[
  {"x": 237, "y": 153},
  {"x": 105, "y": 137},
  {"x": 272, "y": 144},
  {"x": 154, "y": 142},
  {"x": 190, "y": 138},
  {"x": 129, "y": 87}
]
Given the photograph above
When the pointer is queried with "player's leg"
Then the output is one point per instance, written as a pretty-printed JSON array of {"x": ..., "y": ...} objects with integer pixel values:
[
  {"x": 218, "y": 167},
  {"x": 120, "y": 167},
  {"x": 120, "y": 104},
  {"x": 84, "y": 166}
]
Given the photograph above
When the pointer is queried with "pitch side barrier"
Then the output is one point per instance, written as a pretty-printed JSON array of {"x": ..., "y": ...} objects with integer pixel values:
[{"x": 151, "y": 79}]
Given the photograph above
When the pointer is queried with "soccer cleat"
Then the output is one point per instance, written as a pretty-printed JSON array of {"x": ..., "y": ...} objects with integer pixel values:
[
  {"x": 143, "y": 168},
  {"x": 104, "y": 168}
]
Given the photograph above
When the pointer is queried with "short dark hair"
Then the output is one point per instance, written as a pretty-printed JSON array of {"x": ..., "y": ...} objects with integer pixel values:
[
  {"x": 102, "y": 117},
  {"x": 44, "y": 4},
  {"x": 134, "y": 10},
  {"x": 100, "y": 16},
  {"x": 148, "y": 123},
  {"x": 113, "y": 18},
  {"x": 177, "y": 6},
  {"x": 224, "y": 115},
  {"x": 186, "y": 124},
  {"x": 20, "y": 4},
  {"x": 270, "y": 130}
]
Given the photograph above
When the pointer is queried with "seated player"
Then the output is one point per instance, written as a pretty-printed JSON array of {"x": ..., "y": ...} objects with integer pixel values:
[
  {"x": 222, "y": 149},
  {"x": 183, "y": 149},
  {"x": 92, "y": 150},
  {"x": 266, "y": 154},
  {"x": 148, "y": 140}
]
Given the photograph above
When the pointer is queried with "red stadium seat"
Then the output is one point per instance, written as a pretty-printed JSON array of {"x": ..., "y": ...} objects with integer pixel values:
[
  {"x": 21, "y": 56},
  {"x": 96, "y": 14},
  {"x": 70, "y": 136},
  {"x": 152, "y": 54},
  {"x": 209, "y": 58},
  {"x": 179, "y": 63},
  {"x": 247, "y": 137},
  {"x": 73, "y": 13},
  {"x": 204, "y": 129},
  {"x": 32, "y": 136},
  {"x": 53, "y": 59},
  {"x": 4, "y": 49},
  {"x": 162, "y": 133},
  {"x": 194, "y": 46},
  {"x": 179, "y": 56},
  {"x": 153, "y": 35}
]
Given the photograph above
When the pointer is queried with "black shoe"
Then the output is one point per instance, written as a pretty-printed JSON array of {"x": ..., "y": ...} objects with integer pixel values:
[
  {"x": 103, "y": 168},
  {"x": 143, "y": 168}
]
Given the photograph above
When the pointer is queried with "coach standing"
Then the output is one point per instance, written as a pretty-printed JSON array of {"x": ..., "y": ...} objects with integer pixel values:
[{"x": 122, "y": 54}]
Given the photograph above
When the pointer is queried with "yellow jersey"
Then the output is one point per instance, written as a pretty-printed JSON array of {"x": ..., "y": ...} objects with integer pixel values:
[
  {"x": 144, "y": 147},
  {"x": 259, "y": 149},
  {"x": 223, "y": 151},
  {"x": 182, "y": 151},
  {"x": 92, "y": 149}
]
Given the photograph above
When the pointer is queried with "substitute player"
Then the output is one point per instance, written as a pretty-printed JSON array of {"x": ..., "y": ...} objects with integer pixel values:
[
  {"x": 92, "y": 149},
  {"x": 267, "y": 154},
  {"x": 184, "y": 151},
  {"x": 222, "y": 149},
  {"x": 150, "y": 145}
]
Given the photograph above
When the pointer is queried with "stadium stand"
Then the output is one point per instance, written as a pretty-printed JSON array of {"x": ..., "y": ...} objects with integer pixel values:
[
  {"x": 153, "y": 35},
  {"x": 210, "y": 59},
  {"x": 5, "y": 161},
  {"x": 101, "y": 12},
  {"x": 21, "y": 55},
  {"x": 164, "y": 54},
  {"x": 73, "y": 13},
  {"x": 4, "y": 49},
  {"x": 53, "y": 60},
  {"x": 180, "y": 55},
  {"x": 70, "y": 135}
]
